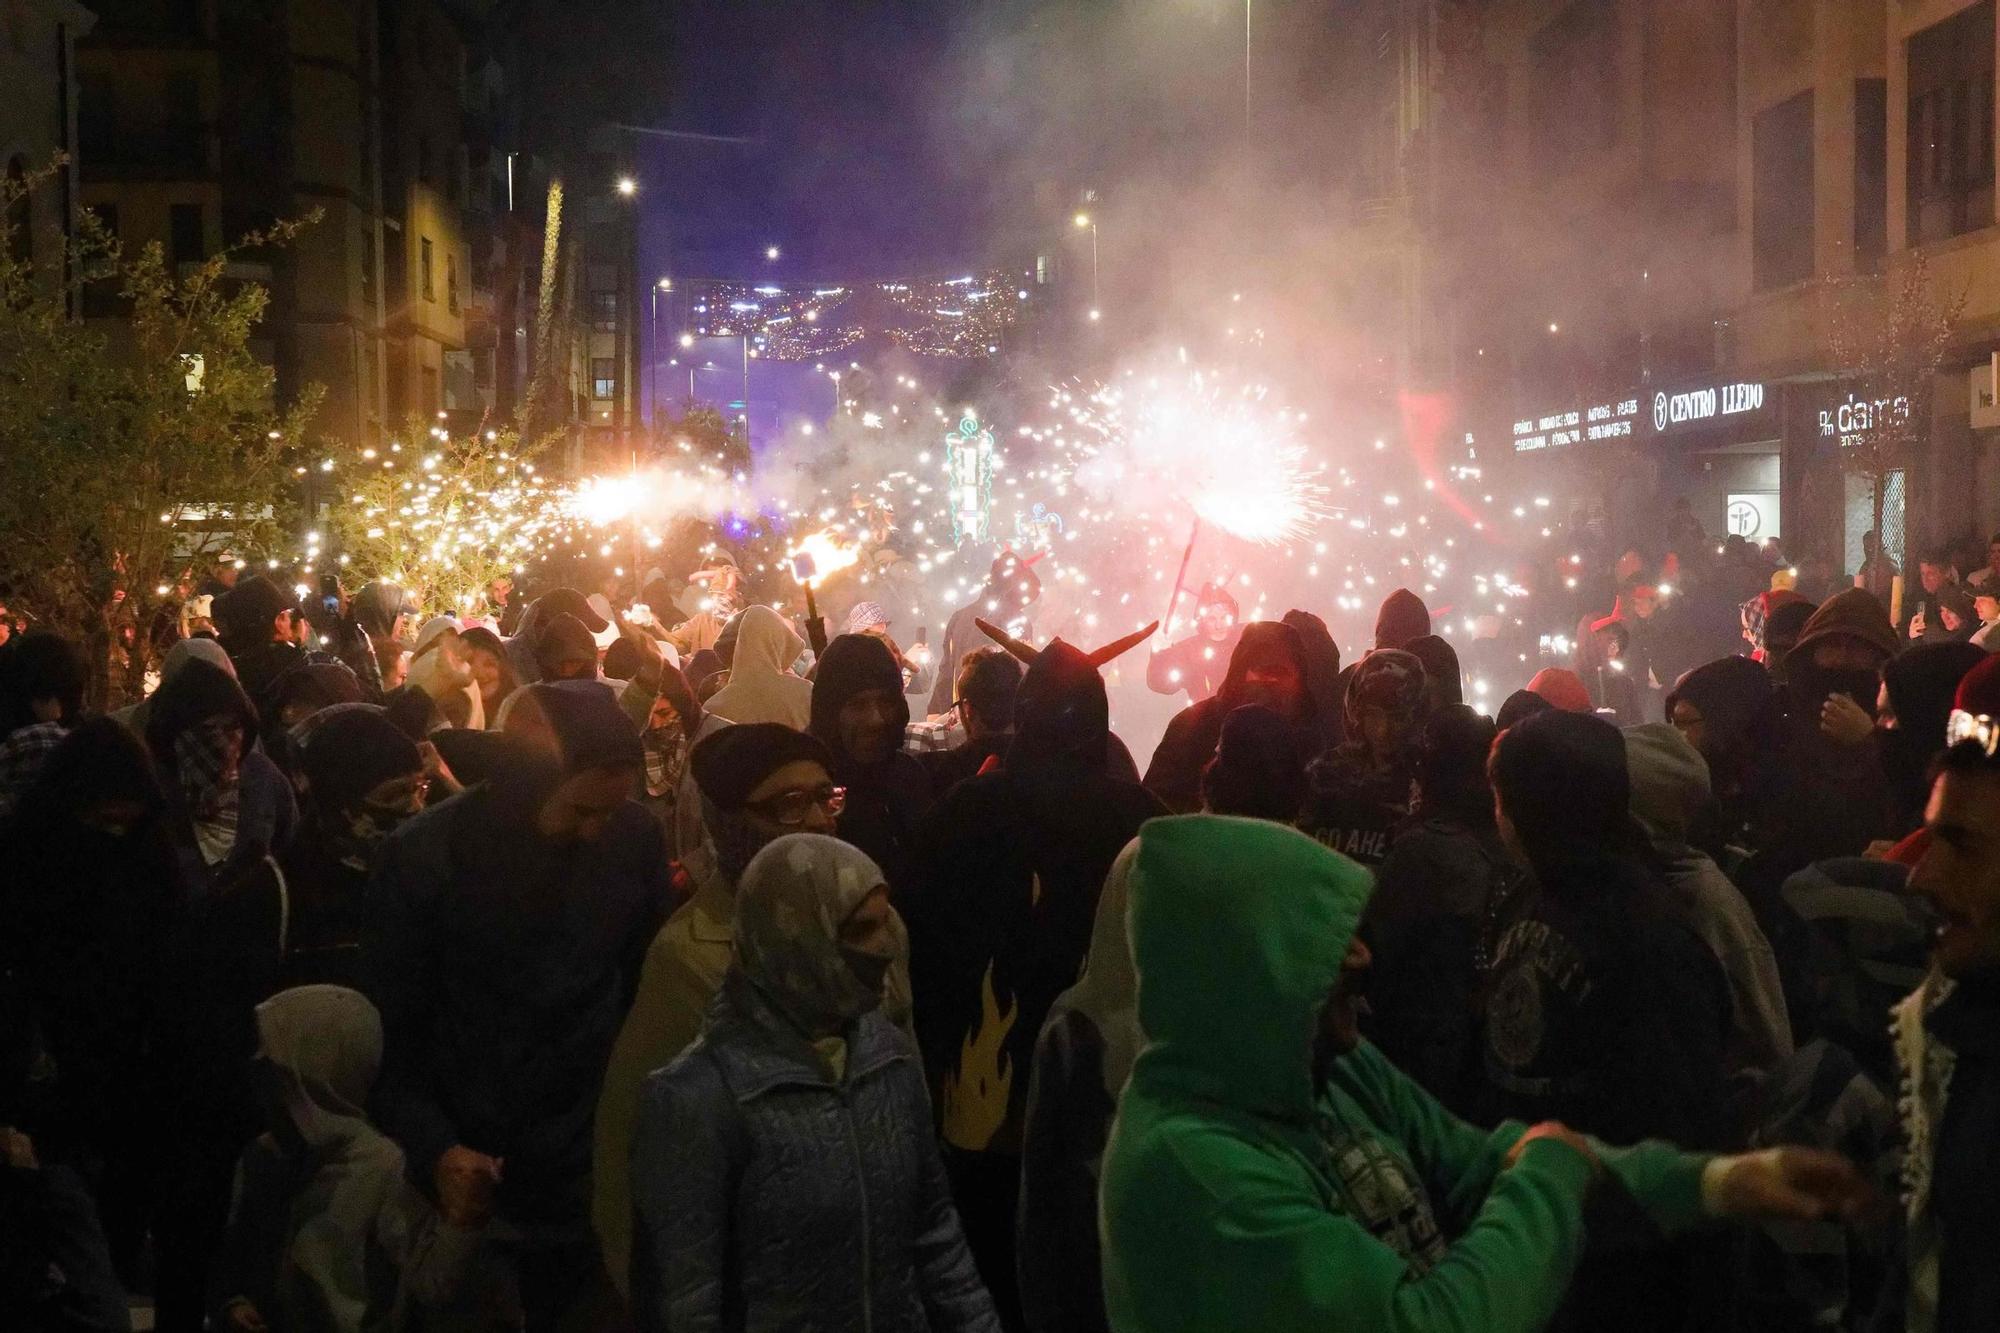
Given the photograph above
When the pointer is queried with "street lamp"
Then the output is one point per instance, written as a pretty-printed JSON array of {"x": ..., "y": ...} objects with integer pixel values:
[
  {"x": 770, "y": 252},
  {"x": 627, "y": 186},
  {"x": 1084, "y": 220}
]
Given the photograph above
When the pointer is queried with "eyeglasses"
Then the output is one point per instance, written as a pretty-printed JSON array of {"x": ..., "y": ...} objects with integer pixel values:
[
  {"x": 1977, "y": 727},
  {"x": 790, "y": 808}
]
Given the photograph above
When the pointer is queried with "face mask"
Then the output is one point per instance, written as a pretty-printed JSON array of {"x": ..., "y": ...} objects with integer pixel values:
[
  {"x": 370, "y": 824},
  {"x": 870, "y": 969}
]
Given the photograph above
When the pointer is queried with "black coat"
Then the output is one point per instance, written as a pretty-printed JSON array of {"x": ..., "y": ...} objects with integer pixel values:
[
  {"x": 503, "y": 965},
  {"x": 1009, "y": 869}
]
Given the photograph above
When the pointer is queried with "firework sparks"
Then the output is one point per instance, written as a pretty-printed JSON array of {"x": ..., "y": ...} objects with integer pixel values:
[{"x": 821, "y": 554}]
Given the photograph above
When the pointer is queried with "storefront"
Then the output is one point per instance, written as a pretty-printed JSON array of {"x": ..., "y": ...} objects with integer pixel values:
[{"x": 1718, "y": 444}]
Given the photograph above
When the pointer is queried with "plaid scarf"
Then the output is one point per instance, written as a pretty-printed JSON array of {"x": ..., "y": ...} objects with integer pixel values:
[{"x": 210, "y": 765}]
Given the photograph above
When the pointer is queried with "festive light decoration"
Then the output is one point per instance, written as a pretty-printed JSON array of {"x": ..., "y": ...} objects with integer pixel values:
[{"x": 968, "y": 466}]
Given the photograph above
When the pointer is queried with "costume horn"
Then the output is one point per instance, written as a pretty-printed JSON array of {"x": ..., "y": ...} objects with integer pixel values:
[
  {"x": 1119, "y": 647},
  {"x": 1007, "y": 641}
]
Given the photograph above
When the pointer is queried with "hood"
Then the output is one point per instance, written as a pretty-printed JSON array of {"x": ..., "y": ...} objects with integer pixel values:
[
  {"x": 378, "y": 605},
  {"x": 1322, "y": 661},
  {"x": 1563, "y": 688},
  {"x": 766, "y": 645},
  {"x": 324, "y": 1046},
  {"x": 1854, "y": 613},
  {"x": 1061, "y": 713},
  {"x": 1260, "y": 636},
  {"x": 1403, "y": 617},
  {"x": 563, "y": 638},
  {"x": 1256, "y": 771},
  {"x": 195, "y": 650},
  {"x": 851, "y": 665},
  {"x": 1388, "y": 679},
  {"x": 569, "y": 601},
  {"x": 1732, "y": 694},
  {"x": 1107, "y": 992},
  {"x": 1670, "y": 784},
  {"x": 790, "y": 904},
  {"x": 319, "y": 684},
  {"x": 352, "y": 753},
  {"x": 1233, "y": 918},
  {"x": 197, "y": 692},
  {"x": 1441, "y": 671},
  {"x": 1519, "y": 707},
  {"x": 1923, "y": 682}
]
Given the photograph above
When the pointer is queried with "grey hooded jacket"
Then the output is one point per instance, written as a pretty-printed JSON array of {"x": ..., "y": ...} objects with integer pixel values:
[{"x": 770, "y": 1194}]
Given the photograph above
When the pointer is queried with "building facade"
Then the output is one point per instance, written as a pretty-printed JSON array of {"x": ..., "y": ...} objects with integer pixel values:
[{"x": 38, "y": 126}]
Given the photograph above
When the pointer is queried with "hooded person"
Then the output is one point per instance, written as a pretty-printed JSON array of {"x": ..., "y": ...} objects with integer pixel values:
[
  {"x": 1256, "y": 772},
  {"x": 1918, "y": 687},
  {"x": 785, "y": 1173},
  {"x": 1360, "y": 791},
  {"x": 492, "y": 670},
  {"x": 1283, "y": 1175},
  {"x": 762, "y": 686},
  {"x": 1605, "y": 1011},
  {"x": 1781, "y": 634},
  {"x": 1199, "y": 663},
  {"x": 324, "y": 1231},
  {"x": 1402, "y": 618},
  {"x": 1082, "y": 1059},
  {"x": 524, "y": 648},
  {"x": 1009, "y": 868},
  {"x": 94, "y": 893},
  {"x": 518, "y": 909},
  {"x": 1443, "y": 681},
  {"x": 42, "y": 680},
  {"x": 1446, "y": 893},
  {"x": 134, "y": 716},
  {"x": 859, "y": 714},
  {"x": 1011, "y": 588},
  {"x": 441, "y": 667},
  {"x": 565, "y": 649},
  {"x": 230, "y": 805},
  {"x": 1729, "y": 711},
  {"x": 305, "y": 690},
  {"x": 255, "y": 619},
  {"x": 1519, "y": 707},
  {"x": 757, "y": 782},
  {"x": 1323, "y": 676},
  {"x": 1670, "y": 794},
  {"x": 1268, "y": 668}
]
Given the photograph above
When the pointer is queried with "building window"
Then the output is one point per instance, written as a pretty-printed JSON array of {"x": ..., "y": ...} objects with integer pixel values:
[
  {"x": 604, "y": 311},
  {"x": 424, "y": 268},
  {"x": 1950, "y": 168},
  {"x": 100, "y": 298},
  {"x": 603, "y": 377},
  {"x": 451, "y": 283},
  {"x": 1781, "y": 194},
  {"x": 1871, "y": 170},
  {"x": 189, "y": 241}
]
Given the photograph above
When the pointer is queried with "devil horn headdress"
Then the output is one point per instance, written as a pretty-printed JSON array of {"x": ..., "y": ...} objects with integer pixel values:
[{"x": 1096, "y": 658}]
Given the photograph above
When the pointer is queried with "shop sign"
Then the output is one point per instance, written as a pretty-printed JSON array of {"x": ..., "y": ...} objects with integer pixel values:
[
  {"x": 1856, "y": 419},
  {"x": 1586, "y": 425},
  {"x": 1703, "y": 406}
]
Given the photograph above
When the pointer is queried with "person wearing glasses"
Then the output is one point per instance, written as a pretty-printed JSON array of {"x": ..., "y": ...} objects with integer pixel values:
[
  {"x": 984, "y": 694},
  {"x": 758, "y": 782}
]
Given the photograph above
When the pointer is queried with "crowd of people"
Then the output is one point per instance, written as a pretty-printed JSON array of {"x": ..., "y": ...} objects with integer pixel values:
[{"x": 601, "y": 965}]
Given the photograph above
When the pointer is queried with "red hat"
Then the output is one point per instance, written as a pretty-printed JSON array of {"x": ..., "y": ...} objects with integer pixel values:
[{"x": 1979, "y": 689}]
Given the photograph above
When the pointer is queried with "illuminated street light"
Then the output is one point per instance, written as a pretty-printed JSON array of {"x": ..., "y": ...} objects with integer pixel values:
[
  {"x": 687, "y": 340},
  {"x": 770, "y": 252},
  {"x": 627, "y": 186},
  {"x": 1083, "y": 219}
]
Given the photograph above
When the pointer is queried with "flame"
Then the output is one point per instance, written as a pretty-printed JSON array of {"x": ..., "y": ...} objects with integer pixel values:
[
  {"x": 830, "y": 554},
  {"x": 605, "y": 500},
  {"x": 977, "y": 1092}
]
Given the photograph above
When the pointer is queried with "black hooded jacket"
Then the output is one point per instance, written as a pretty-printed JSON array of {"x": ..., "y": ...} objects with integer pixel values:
[
  {"x": 1010, "y": 866},
  {"x": 503, "y": 961},
  {"x": 885, "y": 800},
  {"x": 1174, "y": 776},
  {"x": 266, "y": 810}
]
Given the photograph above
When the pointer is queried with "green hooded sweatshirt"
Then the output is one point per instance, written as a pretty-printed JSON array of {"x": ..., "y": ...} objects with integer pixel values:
[{"x": 1235, "y": 1197}]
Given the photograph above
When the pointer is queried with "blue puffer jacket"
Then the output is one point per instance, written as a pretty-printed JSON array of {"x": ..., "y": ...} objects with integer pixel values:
[{"x": 769, "y": 1195}]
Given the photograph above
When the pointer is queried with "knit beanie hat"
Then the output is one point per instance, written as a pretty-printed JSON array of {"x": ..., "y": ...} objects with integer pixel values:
[
  {"x": 1563, "y": 688},
  {"x": 352, "y": 753},
  {"x": 729, "y": 764}
]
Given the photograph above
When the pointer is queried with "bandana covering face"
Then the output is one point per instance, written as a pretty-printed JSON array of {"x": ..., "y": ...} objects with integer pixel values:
[
  {"x": 209, "y": 758},
  {"x": 790, "y": 905},
  {"x": 666, "y": 744}
]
